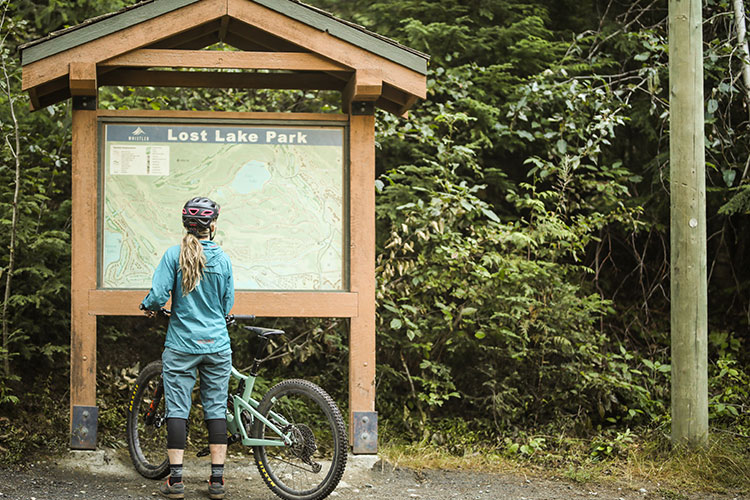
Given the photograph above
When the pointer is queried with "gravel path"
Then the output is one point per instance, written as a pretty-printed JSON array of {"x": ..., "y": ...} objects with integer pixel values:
[{"x": 108, "y": 474}]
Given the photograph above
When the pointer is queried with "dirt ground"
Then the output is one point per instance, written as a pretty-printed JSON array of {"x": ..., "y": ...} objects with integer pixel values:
[{"x": 108, "y": 474}]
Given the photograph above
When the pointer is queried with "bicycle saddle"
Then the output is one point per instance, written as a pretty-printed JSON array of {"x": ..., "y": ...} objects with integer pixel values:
[{"x": 264, "y": 332}]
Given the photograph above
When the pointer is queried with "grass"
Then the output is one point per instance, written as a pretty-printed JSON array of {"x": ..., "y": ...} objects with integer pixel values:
[{"x": 722, "y": 467}]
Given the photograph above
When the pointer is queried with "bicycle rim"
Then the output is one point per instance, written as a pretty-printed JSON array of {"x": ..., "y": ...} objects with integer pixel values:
[
  {"x": 147, "y": 430},
  {"x": 311, "y": 468}
]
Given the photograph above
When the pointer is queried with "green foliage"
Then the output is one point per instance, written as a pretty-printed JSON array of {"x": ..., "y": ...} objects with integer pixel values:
[
  {"x": 729, "y": 385},
  {"x": 38, "y": 303},
  {"x": 615, "y": 445},
  {"x": 35, "y": 424},
  {"x": 522, "y": 225}
]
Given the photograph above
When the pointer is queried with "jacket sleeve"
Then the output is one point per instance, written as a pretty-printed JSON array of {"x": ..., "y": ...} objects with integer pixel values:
[
  {"x": 162, "y": 283},
  {"x": 228, "y": 299}
]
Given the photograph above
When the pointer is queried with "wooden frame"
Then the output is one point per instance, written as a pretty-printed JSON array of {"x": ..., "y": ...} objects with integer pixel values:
[
  {"x": 296, "y": 61},
  {"x": 304, "y": 48},
  {"x": 106, "y": 301},
  {"x": 358, "y": 304}
]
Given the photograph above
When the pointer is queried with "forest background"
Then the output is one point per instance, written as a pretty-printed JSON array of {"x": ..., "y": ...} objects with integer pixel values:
[{"x": 522, "y": 237}]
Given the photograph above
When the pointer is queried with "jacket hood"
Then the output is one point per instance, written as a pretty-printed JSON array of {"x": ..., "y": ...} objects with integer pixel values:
[{"x": 212, "y": 251}]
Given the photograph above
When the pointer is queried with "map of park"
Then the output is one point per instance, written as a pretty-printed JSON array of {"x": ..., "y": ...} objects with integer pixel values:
[{"x": 281, "y": 191}]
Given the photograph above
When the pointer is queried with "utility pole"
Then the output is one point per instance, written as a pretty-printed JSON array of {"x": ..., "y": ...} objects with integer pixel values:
[{"x": 687, "y": 162}]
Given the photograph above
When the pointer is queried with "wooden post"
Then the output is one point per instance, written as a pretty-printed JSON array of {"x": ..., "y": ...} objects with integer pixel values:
[
  {"x": 688, "y": 226},
  {"x": 363, "y": 418},
  {"x": 83, "y": 275},
  {"x": 82, "y": 78}
]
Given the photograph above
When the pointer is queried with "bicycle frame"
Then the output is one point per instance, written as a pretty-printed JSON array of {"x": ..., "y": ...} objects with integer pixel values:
[{"x": 246, "y": 402}]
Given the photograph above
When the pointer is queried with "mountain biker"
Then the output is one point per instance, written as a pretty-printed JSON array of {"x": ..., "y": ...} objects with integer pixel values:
[{"x": 198, "y": 275}]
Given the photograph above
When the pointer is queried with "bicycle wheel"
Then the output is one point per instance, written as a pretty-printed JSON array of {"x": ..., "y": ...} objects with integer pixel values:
[
  {"x": 311, "y": 468},
  {"x": 146, "y": 429}
]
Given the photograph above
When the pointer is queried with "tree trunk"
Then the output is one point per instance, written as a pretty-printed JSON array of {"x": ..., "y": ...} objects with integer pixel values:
[
  {"x": 15, "y": 152},
  {"x": 739, "y": 21}
]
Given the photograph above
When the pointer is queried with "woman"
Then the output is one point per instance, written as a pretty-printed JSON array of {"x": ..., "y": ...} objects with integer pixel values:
[{"x": 198, "y": 275}]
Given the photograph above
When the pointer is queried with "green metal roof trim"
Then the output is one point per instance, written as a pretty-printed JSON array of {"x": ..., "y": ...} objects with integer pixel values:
[
  {"x": 97, "y": 27},
  {"x": 101, "y": 26}
]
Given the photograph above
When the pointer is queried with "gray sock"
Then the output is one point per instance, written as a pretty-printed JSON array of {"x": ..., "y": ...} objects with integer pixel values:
[
  {"x": 217, "y": 473},
  {"x": 175, "y": 473}
]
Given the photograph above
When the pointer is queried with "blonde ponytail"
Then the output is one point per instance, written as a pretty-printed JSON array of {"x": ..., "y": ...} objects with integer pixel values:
[{"x": 192, "y": 261}]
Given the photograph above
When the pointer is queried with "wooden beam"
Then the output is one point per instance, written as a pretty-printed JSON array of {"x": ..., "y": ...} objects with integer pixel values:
[
  {"x": 221, "y": 115},
  {"x": 205, "y": 79},
  {"x": 198, "y": 43},
  {"x": 247, "y": 45},
  {"x": 393, "y": 94},
  {"x": 53, "y": 97},
  {"x": 149, "y": 58},
  {"x": 366, "y": 84},
  {"x": 188, "y": 37},
  {"x": 241, "y": 34},
  {"x": 33, "y": 100},
  {"x": 132, "y": 37},
  {"x": 391, "y": 107},
  {"x": 403, "y": 111},
  {"x": 323, "y": 43},
  {"x": 362, "y": 264},
  {"x": 266, "y": 304},
  {"x": 224, "y": 27},
  {"x": 82, "y": 78}
]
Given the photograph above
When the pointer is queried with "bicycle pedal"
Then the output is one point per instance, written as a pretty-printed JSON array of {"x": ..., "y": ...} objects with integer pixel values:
[{"x": 205, "y": 451}]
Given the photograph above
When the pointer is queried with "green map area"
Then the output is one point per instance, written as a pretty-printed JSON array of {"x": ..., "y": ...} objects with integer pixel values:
[{"x": 281, "y": 196}]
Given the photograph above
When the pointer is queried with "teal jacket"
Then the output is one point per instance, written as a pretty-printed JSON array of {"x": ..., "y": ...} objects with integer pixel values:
[{"x": 197, "y": 324}]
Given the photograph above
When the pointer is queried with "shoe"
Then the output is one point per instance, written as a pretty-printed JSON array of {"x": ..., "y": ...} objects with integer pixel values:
[
  {"x": 176, "y": 490},
  {"x": 216, "y": 490}
]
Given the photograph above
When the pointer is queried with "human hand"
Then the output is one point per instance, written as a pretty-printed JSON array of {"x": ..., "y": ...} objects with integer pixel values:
[{"x": 149, "y": 313}]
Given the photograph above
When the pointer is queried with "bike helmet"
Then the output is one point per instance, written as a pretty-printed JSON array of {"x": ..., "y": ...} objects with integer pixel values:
[{"x": 198, "y": 213}]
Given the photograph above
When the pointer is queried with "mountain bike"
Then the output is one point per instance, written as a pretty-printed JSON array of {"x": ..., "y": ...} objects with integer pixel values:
[{"x": 295, "y": 429}]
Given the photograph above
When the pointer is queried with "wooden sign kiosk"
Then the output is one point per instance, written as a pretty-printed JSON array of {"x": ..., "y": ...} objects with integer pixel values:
[{"x": 282, "y": 44}]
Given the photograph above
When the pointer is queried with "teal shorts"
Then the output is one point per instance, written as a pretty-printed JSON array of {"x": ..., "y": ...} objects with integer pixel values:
[{"x": 179, "y": 372}]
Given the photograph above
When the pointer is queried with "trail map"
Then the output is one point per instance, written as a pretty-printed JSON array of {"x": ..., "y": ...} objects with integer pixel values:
[{"x": 281, "y": 191}]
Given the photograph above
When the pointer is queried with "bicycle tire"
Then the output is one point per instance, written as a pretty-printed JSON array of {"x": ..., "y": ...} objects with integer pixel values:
[
  {"x": 147, "y": 441},
  {"x": 316, "y": 423}
]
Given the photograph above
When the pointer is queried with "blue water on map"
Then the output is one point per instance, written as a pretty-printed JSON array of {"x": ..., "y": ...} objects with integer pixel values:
[
  {"x": 251, "y": 177},
  {"x": 112, "y": 247}
]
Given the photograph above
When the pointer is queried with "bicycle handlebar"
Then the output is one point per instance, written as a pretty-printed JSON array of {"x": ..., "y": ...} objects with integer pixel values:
[{"x": 229, "y": 318}]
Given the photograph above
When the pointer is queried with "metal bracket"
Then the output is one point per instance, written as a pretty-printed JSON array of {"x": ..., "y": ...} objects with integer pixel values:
[
  {"x": 363, "y": 108},
  {"x": 365, "y": 433},
  {"x": 83, "y": 434},
  {"x": 84, "y": 102}
]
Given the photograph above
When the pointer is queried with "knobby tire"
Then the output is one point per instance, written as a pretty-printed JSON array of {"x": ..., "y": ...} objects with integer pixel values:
[
  {"x": 146, "y": 443},
  {"x": 320, "y": 438}
]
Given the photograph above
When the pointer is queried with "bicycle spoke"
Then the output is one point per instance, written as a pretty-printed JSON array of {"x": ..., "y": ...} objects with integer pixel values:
[
  {"x": 312, "y": 464},
  {"x": 146, "y": 434}
]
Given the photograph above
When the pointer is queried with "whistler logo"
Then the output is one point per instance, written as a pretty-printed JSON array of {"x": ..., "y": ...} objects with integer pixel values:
[{"x": 138, "y": 135}]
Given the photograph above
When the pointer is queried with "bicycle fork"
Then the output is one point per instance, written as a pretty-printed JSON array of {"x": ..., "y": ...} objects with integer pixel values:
[{"x": 150, "y": 418}]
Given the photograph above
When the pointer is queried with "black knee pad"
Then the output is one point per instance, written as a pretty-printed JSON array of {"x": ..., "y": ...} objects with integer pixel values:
[
  {"x": 217, "y": 430},
  {"x": 176, "y": 433}
]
